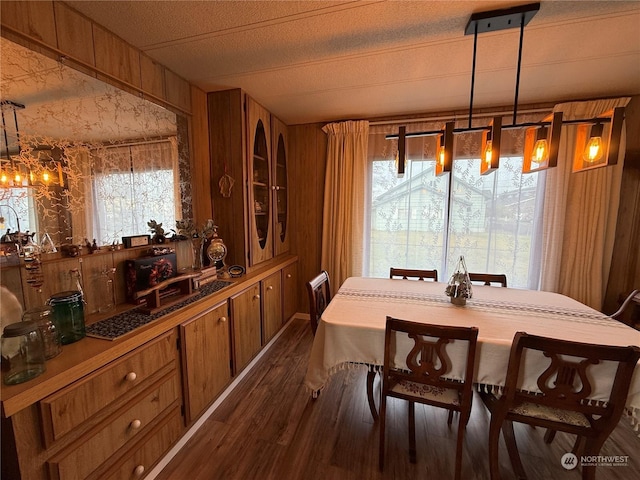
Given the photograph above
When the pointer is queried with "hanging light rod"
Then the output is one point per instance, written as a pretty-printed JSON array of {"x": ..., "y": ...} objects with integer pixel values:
[{"x": 430, "y": 133}]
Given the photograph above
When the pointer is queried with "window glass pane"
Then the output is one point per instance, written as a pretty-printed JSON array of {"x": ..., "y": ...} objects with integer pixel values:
[
  {"x": 407, "y": 217},
  {"x": 492, "y": 219}
]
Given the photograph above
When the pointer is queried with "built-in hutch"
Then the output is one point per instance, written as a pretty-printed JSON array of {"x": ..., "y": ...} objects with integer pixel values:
[
  {"x": 111, "y": 409},
  {"x": 250, "y": 145}
]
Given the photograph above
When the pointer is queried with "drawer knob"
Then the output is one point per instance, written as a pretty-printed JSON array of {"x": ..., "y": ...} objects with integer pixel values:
[
  {"x": 135, "y": 424},
  {"x": 138, "y": 471},
  {"x": 223, "y": 319},
  {"x": 257, "y": 297},
  {"x": 270, "y": 287},
  {"x": 288, "y": 275},
  {"x": 131, "y": 376}
]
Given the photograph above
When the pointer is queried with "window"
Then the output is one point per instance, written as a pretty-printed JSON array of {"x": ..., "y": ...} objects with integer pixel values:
[
  {"x": 424, "y": 221},
  {"x": 132, "y": 185}
]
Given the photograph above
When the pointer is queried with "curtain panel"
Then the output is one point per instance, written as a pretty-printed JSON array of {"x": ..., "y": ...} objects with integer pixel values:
[
  {"x": 343, "y": 212},
  {"x": 580, "y": 214}
]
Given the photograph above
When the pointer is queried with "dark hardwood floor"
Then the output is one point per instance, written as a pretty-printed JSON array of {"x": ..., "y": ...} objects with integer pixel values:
[{"x": 270, "y": 428}]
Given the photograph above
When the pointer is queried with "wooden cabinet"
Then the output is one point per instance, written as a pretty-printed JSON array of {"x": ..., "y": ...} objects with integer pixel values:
[
  {"x": 206, "y": 359},
  {"x": 87, "y": 397},
  {"x": 280, "y": 179},
  {"x": 245, "y": 331},
  {"x": 249, "y": 145},
  {"x": 260, "y": 194},
  {"x": 271, "y": 306},
  {"x": 289, "y": 291}
]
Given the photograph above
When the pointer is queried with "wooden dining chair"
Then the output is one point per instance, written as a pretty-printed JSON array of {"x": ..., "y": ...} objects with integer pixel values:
[
  {"x": 489, "y": 278},
  {"x": 319, "y": 290},
  {"x": 622, "y": 314},
  {"x": 562, "y": 403},
  {"x": 407, "y": 273},
  {"x": 424, "y": 378}
]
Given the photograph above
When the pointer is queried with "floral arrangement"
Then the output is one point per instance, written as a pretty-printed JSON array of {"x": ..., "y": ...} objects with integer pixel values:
[
  {"x": 187, "y": 228},
  {"x": 459, "y": 286}
]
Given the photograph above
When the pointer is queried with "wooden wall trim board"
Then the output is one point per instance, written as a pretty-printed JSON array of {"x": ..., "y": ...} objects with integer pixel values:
[
  {"x": 201, "y": 178},
  {"x": 60, "y": 32}
]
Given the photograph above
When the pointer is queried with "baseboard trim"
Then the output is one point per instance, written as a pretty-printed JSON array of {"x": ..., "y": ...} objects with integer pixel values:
[{"x": 223, "y": 396}]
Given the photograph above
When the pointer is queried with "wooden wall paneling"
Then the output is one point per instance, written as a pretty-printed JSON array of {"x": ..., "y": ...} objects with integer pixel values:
[
  {"x": 177, "y": 90},
  {"x": 624, "y": 275},
  {"x": 116, "y": 57},
  {"x": 94, "y": 269},
  {"x": 200, "y": 158},
  {"x": 227, "y": 152},
  {"x": 34, "y": 19},
  {"x": 308, "y": 146},
  {"x": 56, "y": 279},
  {"x": 75, "y": 36},
  {"x": 152, "y": 76}
]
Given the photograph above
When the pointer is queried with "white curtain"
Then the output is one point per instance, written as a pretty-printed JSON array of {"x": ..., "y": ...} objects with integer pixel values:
[
  {"x": 580, "y": 215},
  {"x": 343, "y": 214}
]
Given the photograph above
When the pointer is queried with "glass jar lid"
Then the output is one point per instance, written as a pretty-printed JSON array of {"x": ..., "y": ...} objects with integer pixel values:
[
  {"x": 19, "y": 328},
  {"x": 65, "y": 297}
]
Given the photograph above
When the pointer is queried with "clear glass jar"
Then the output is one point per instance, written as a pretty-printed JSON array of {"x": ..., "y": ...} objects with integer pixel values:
[
  {"x": 68, "y": 315},
  {"x": 22, "y": 352},
  {"x": 43, "y": 316}
]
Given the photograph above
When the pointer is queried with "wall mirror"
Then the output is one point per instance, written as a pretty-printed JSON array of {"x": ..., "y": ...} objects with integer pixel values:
[{"x": 83, "y": 159}]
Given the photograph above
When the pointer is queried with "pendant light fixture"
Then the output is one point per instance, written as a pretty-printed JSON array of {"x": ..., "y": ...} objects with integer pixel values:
[
  {"x": 541, "y": 144},
  {"x": 598, "y": 142},
  {"x": 598, "y": 139}
]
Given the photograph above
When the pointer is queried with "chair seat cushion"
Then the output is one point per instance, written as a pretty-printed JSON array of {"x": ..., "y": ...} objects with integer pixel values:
[
  {"x": 544, "y": 412},
  {"x": 428, "y": 392}
]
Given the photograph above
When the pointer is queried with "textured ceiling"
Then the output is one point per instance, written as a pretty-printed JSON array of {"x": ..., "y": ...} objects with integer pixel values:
[{"x": 319, "y": 61}]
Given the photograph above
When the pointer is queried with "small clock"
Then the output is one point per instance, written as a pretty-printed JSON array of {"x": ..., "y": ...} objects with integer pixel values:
[
  {"x": 136, "y": 241},
  {"x": 217, "y": 251}
]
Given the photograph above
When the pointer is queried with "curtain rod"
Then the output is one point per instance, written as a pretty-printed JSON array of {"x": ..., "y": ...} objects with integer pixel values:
[{"x": 455, "y": 116}]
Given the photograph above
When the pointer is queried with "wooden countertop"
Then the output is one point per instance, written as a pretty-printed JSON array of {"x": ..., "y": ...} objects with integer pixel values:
[{"x": 89, "y": 354}]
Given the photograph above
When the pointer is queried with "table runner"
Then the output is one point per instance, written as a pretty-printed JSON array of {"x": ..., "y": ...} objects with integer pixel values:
[{"x": 351, "y": 330}]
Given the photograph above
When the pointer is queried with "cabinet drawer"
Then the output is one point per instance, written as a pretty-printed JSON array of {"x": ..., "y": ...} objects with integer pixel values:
[
  {"x": 150, "y": 450},
  {"x": 71, "y": 406},
  {"x": 90, "y": 451}
]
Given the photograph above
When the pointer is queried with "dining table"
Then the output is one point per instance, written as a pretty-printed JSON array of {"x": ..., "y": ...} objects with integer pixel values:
[{"x": 351, "y": 331}]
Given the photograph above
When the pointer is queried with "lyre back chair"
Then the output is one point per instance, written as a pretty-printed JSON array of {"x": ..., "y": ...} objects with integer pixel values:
[
  {"x": 489, "y": 278},
  {"x": 319, "y": 289},
  {"x": 562, "y": 403},
  {"x": 407, "y": 273},
  {"x": 627, "y": 305},
  {"x": 424, "y": 378}
]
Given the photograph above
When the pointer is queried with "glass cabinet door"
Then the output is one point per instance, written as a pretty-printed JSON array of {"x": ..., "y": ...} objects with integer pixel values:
[
  {"x": 260, "y": 210},
  {"x": 280, "y": 187}
]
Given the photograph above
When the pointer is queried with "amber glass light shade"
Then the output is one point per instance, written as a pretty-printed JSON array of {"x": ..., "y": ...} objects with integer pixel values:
[
  {"x": 541, "y": 145},
  {"x": 444, "y": 154}
]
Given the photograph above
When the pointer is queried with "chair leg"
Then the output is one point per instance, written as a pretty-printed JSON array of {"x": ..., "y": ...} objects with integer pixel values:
[
  {"x": 412, "y": 432},
  {"x": 383, "y": 412},
  {"x": 494, "y": 438},
  {"x": 371, "y": 376},
  {"x": 578, "y": 445},
  {"x": 512, "y": 448},
  {"x": 549, "y": 435},
  {"x": 462, "y": 425}
]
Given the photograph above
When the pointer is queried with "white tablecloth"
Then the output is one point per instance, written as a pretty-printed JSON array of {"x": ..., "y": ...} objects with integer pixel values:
[{"x": 351, "y": 331}]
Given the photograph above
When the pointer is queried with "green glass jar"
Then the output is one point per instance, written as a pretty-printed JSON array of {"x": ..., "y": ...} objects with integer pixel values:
[
  {"x": 68, "y": 315},
  {"x": 22, "y": 352}
]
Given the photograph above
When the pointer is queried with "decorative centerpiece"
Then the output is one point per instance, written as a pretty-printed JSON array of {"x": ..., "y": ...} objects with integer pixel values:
[
  {"x": 459, "y": 287},
  {"x": 157, "y": 230},
  {"x": 186, "y": 228}
]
